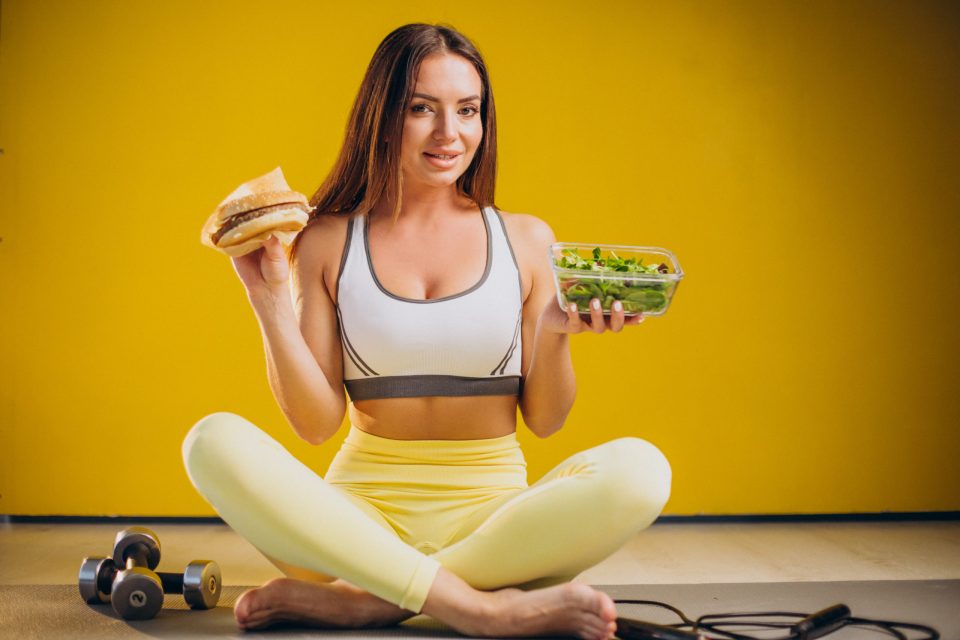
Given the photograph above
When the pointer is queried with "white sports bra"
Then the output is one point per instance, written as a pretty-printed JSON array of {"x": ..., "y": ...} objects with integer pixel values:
[{"x": 466, "y": 344}]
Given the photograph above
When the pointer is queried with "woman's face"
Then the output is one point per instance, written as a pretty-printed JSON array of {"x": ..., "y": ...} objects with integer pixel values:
[{"x": 443, "y": 118}]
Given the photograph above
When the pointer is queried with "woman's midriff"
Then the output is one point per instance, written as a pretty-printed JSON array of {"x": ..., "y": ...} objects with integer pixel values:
[{"x": 436, "y": 418}]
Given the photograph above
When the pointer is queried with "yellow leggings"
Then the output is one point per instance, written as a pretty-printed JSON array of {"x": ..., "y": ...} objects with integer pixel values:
[{"x": 390, "y": 512}]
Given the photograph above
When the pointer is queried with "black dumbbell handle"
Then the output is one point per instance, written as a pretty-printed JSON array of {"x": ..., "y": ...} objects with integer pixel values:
[
  {"x": 106, "y": 577},
  {"x": 172, "y": 582},
  {"x": 137, "y": 555}
]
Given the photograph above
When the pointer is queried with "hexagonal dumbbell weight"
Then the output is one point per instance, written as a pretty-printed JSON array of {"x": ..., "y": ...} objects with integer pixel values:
[{"x": 136, "y": 591}]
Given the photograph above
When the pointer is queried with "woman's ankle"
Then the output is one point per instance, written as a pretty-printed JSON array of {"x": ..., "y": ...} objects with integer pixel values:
[
  {"x": 569, "y": 609},
  {"x": 454, "y": 602}
]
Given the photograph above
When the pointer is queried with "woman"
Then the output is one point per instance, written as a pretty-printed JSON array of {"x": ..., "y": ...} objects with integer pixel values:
[{"x": 437, "y": 311}]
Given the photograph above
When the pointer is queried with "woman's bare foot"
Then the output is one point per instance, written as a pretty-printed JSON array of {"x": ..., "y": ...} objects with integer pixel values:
[
  {"x": 569, "y": 609},
  {"x": 330, "y": 605}
]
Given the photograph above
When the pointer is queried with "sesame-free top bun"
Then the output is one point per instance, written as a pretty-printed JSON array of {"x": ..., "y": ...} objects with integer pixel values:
[{"x": 255, "y": 210}]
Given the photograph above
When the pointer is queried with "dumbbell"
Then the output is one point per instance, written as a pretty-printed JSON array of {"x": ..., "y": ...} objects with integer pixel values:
[
  {"x": 136, "y": 591},
  {"x": 200, "y": 583},
  {"x": 97, "y": 574}
]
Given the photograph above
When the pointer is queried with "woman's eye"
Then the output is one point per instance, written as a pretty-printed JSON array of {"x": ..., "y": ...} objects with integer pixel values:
[{"x": 421, "y": 108}]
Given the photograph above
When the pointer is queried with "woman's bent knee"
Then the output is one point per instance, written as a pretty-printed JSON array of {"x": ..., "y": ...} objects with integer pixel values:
[
  {"x": 209, "y": 428},
  {"x": 640, "y": 474},
  {"x": 215, "y": 435}
]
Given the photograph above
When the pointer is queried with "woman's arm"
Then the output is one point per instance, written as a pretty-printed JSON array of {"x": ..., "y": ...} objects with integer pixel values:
[
  {"x": 301, "y": 341},
  {"x": 549, "y": 382}
]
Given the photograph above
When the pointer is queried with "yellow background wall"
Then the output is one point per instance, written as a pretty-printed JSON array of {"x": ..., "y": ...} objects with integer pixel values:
[{"x": 800, "y": 159}]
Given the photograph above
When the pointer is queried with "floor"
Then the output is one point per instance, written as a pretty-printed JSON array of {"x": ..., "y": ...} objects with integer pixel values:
[{"x": 666, "y": 553}]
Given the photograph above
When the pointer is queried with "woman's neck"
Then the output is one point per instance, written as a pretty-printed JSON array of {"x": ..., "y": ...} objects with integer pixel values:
[{"x": 426, "y": 206}]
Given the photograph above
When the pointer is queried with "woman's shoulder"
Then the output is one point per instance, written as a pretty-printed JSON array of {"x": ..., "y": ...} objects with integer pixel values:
[
  {"x": 321, "y": 245},
  {"x": 528, "y": 230},
  {"x": 323, "y": 233},
  {"x": 530, "y": 237}
]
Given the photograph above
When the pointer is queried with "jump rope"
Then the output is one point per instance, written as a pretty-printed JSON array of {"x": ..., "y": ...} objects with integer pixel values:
[{"x": 717, "y": 626}]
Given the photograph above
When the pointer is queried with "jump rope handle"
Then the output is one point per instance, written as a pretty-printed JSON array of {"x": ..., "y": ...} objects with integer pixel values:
[{"x": 821, "y": 623}]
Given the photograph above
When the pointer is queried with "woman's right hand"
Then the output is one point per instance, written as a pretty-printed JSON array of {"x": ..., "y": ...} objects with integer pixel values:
[{"x": 264, "y": 272}]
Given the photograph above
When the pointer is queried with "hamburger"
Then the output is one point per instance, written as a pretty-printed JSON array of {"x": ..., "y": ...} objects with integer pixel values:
[{"x": 256, "y": 210}]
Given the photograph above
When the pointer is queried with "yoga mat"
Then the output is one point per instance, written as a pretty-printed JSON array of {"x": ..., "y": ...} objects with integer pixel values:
[{"x": 56, "y": 611}]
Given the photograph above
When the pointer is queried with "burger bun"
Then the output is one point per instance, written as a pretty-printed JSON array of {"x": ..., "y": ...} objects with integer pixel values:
[{"x": 273, "y": 209}]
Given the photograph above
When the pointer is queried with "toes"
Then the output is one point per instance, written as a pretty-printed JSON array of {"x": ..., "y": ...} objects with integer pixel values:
[
  {"x": 241, "y": 610},
  {"x": 251, "y": 609},
  {"x": 611, "y": 630},
  {"x": 597, "y": 631},
  {"x": 608, "y": 610}
]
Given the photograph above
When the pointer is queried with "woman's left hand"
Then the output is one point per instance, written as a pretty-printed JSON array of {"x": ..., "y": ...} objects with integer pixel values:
[{"x": 555, "y": 320}]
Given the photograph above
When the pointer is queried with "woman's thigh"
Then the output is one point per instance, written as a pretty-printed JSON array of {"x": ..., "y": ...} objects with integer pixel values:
[
  {"x": 289, "y": 513},
  {"x": 579, "y": 513},
  {"x": 233, "y": 462}
]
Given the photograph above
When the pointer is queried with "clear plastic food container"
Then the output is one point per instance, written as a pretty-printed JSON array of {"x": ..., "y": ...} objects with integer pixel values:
[{"x": 644, "y": 279}]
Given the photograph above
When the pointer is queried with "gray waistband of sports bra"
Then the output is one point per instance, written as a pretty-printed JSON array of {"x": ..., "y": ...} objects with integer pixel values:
[{"x": 432, "y": 385}]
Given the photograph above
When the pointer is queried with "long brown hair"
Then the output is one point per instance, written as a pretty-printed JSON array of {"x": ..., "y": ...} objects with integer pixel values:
[{"x": 368, "y": 167}]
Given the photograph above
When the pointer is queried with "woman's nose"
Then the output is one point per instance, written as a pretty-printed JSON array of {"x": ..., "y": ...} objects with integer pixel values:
[{"x": 445, "y": 127}]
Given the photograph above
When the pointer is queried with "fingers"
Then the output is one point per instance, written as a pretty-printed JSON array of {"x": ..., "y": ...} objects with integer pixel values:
[
  {"x": 616, "y": 316},
  {"x": 573, "y": 318},
  {"x": 597, "y": 323},
  {"x": 273, "y": 248},
  {"x": 271, "y": 245}
]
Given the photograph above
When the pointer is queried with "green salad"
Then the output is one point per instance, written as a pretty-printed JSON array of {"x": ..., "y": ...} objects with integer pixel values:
[{"x": 637, "y": 296}]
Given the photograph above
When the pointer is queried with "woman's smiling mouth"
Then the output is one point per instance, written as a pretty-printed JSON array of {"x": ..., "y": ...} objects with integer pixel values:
[{"x": 442, "y": 159}]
